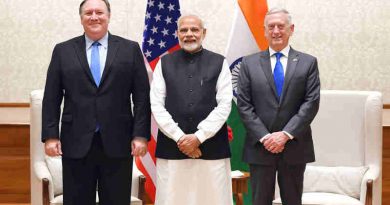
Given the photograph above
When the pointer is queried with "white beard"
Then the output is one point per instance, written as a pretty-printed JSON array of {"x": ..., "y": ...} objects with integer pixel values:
[{"x": 191, "y": 47}]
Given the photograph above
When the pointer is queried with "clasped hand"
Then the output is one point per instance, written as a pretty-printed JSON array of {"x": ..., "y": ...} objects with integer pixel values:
[
  {"x": 275, "y": 142},
  {"x": 189, "y": 145}
]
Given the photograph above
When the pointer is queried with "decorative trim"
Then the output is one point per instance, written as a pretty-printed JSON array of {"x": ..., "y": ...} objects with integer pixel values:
[
  {"x": 14, "y": 125},
  {"x": 14, "y": 105},
  {"x": 27, "y": 105}
]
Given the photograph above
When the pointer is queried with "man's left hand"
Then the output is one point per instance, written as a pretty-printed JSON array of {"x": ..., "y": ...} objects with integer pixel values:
[
  {"x": 275, "y": 142},
  {"x": 139, "y": 146},
  {"x": 196, "y": 154},
  {"x": 188, "y": 143}
]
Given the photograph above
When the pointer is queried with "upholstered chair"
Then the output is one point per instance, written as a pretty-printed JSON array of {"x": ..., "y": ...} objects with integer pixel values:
[
  {"x": 46, "y": 172},
  {"x": 347, "y": 134}
]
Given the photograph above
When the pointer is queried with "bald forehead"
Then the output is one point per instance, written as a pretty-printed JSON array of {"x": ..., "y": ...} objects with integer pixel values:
[{"x": 190, "y": 18}]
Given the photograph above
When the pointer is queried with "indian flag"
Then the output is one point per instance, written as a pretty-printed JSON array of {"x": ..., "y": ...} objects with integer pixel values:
[{"x": 246, "y": 37}]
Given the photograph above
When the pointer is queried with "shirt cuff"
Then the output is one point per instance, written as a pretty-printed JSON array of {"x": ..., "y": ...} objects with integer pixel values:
[
  {"x": 288, "y": 134},
  {"x": 261, "y": 140},
  {"x": 201, "y": 136},
  {"x": 177, "y": 135},
  {"x": 140, "y": 138}
]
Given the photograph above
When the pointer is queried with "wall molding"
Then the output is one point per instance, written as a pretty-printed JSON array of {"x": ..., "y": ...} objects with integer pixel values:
[
  {"x": 14, "y": 113},
  {"x": 14, "y": 105}
]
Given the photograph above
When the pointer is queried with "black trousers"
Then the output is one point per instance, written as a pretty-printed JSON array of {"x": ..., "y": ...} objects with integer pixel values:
[
  {"x": 96, "y": 171},
  {"x": 290, "y": 180}
]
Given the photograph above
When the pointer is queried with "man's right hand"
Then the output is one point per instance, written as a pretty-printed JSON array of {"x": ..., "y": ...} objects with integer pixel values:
[
  {"x": 53, "y": 147},
  {"x": 188, "y": 144},
  {"x": 275, "y": 142}
]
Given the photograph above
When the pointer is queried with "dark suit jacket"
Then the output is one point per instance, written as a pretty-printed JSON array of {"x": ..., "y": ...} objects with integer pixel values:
[
  {"x": 262, "y": 113},
  {"x": 69, "y": 78}
]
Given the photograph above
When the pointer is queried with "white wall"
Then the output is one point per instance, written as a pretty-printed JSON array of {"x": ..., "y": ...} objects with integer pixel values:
[{"x": 350, "y": 37}]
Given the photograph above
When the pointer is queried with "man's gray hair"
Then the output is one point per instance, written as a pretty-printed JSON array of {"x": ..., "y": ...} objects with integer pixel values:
[
  {"x": 276, "y": 10},
  {"x": 105, "y": 1},
  {"x": 190, "y": 15}
]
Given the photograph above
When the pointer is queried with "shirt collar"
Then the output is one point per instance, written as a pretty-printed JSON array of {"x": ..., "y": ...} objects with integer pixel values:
[
  {"x": 103, "y": 41},
  {"x": 284, "y": 51}
]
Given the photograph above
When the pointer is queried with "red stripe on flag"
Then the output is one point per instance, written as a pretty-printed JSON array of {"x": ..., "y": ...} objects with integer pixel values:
[
  {"x": 152, "y": 149},
  {"x": 155, "y": 45},
  {"x": 174, "y": 48},
  {"x": 153, "y": 63}
]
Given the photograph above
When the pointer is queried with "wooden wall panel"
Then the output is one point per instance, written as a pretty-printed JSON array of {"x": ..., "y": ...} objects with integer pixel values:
[
  {"x": 14, "y": 164},
  {"x": 15, "y": 136}
]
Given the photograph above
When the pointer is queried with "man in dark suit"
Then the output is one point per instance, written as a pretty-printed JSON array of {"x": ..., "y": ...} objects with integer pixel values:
[
  {"x": 96, "y": 74},
  {"x": 278, "y": 98}
]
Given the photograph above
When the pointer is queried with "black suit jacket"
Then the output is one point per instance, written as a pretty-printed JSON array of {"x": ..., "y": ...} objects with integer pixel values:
[
  {"x": 262, "y": 113},
  {"x": 69, "y": 78}
]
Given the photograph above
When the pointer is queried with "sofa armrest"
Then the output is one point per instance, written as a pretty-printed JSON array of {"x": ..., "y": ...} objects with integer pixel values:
[
  {"x": 135, "y": 181},
  {"x": 45, "y": 192},
  {"x": 42, "y": 173},
  {"x": 369, "y": 192},
  {"x": 369, "y": 178},
  {"x": 141, "y": 191}
]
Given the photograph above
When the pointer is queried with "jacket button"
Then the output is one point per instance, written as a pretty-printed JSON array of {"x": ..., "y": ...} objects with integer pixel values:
[{"x": 190, "y": 105}]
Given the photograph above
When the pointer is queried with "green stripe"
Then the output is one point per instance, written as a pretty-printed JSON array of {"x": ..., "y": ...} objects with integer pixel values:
[{"x": 236, "y": 146}]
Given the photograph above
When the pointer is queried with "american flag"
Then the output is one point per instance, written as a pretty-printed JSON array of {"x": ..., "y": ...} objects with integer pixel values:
[
  {"x": 159, "y": 38},
  {"x": 160, "y": 29}
]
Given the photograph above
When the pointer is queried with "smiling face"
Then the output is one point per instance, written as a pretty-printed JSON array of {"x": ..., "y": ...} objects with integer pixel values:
[
  {"x": 191, "y": 33},
  {"x": 278, "y": 30},
  {"x": 95, "y": 18}
]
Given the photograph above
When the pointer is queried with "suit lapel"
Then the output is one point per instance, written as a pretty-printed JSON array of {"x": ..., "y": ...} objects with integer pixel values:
[
  {"x": 265, "y": 63},
  {"x": 292, "y": 61},
  {"x": 113, "y": 47},
  {"x": 79, "y": 46}
]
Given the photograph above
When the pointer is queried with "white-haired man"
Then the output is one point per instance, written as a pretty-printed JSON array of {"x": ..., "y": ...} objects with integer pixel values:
[
  {"x": 191, "y": 97},
  {"x": 278, "y": 98}
]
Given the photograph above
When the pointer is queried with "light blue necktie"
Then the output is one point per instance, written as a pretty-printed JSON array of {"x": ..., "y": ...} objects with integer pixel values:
[
  {"x": 278, "y": 75},
  {"x": 95, "y": 69},
  {"x": 95, "y": 62}
]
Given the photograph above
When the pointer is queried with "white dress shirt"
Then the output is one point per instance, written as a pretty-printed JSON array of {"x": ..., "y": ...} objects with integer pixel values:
[
  {"x": 102, "y": 51},
  {"x": 283, "y": 60}
]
